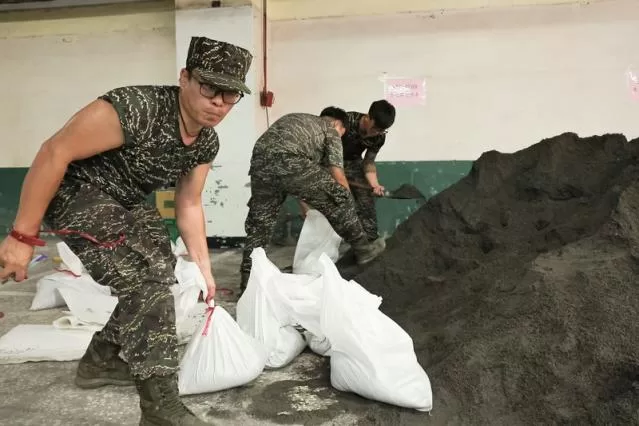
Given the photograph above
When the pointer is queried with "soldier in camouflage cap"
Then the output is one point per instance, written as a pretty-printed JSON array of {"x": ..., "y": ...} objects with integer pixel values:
[
  {"x": 301, "y": 155},
  {"x": 92, "y": 179}
]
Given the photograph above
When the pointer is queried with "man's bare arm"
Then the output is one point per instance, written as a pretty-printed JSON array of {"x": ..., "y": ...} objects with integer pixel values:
[
  {"x": 190, "y": 215},
  {"x": 190, "y": 222},
  {"x": 94, "y": 129},
  {"x": 370, "y": 170},
  {"x": 339, "y": 176}
]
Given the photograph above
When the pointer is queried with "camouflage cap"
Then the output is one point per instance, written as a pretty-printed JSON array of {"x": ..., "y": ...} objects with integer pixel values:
[{"x": 220, "y": 64}]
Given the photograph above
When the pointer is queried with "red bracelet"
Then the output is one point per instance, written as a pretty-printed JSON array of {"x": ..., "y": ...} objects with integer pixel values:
[{"x": 26, "y": 239}]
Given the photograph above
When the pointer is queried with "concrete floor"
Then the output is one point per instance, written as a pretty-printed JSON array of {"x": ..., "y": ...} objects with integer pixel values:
[{"x": 43, "y": 393}]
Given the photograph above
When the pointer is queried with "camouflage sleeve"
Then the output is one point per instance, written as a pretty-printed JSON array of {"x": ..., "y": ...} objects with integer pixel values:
[
  {"x": 335, "y": 153},
  {"x": 136, "y": 108},
  {"x": 212, "y": 147},
  {"x": 378, "y": 143}
]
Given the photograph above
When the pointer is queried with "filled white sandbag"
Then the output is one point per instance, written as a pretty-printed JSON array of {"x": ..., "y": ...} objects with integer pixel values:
[
  {"x": 316, "y": 237},
  {"x": 372, "y": 355},
  {"x": 318, "y": 344},
  {"x": 220, "y": 356},
  {"x": 260, "y": 313},
  {"x": 298, "y": 298},
  {"x": 186, "y": 293},
  {"x": 47, "y": 295},
  {"x": 188, "y": 311},
  {"x": 30, "y": 343}
]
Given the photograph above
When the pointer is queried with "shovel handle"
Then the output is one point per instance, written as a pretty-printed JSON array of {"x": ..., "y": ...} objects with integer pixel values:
[{"x": 366, "y": 186}]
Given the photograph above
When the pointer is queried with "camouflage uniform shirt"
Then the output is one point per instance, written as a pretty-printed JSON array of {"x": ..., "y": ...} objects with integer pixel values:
[
  {"x": 354, "y": 144},
  {"x": 153, "y": 154},
  {"x": 294, "y": 137}
]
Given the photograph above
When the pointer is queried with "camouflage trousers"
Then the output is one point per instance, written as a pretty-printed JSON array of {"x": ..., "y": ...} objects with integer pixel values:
[
  {"x": 141, "y": 271},
  {"x": 364, "y": 199},
  {"x": 306, "y": 181}
]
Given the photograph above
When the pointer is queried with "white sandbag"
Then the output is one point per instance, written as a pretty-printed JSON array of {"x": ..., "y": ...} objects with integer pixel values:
[
  {"x": 372, "y": 355},
  {"x": 318, "y": 344},
  {"x": 302, "y": 297},
  {"x": 47, "y": 295},
  {"x": 188, "y": 274},
  {"x": 261, "y": 316},
  {"x": 220, "y": 356},
  {"x": 316, "y": 237},
  {"x": 70, "y": 262},
  {"x": 90, "y": 308},
  {"x": 188, "y": 312},
  {"x": 298, "y": 298},
  {"x": 70, "y": 322},
  {"x": 179, "y": 248},
  {"x": 30, "y": 343}
]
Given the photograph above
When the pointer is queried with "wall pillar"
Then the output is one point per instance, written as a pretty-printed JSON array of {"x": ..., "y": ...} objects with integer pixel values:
[{"x": 227, "y": 188}]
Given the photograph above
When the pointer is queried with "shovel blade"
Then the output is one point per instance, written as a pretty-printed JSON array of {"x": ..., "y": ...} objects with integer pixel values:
[{"x": 406, "y": 192}]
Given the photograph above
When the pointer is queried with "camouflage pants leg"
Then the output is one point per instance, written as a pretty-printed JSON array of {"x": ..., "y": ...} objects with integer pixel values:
[
  {"x": 315, "y": 186},
  {"x": 141, "y": 271},
  {"x": 264, "y": 206},
  {"x": 364, "y": 199}
]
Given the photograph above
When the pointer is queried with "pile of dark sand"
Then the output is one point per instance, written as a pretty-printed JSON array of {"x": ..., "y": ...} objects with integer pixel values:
[{"x": 520, "y": 286}]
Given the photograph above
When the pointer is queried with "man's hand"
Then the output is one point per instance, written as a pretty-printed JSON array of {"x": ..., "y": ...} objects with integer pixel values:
[
  {"x": 378, "y": 190},
  {"x": 304, "y": 208},
  {"x": 14, "y": 259},
  {"x": 210, "y": 285}
]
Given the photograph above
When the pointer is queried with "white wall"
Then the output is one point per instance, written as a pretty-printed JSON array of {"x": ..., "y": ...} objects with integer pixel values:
[
  {"x": 496, "y": 79},
  {"x": 51, "y": 68}
]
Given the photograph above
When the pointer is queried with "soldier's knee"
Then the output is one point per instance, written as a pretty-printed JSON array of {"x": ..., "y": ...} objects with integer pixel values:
[{"x": 158, "y": 307}]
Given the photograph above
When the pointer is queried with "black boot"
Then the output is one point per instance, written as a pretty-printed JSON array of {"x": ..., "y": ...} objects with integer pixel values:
[
  {"x": 367, "y": 251},
  {"x": 101, "y": 365},
  {"x": 161, "y": 405}
]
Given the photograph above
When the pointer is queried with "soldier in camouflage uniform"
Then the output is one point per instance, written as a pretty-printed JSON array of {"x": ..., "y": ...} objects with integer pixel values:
[
  {"x": 93, "y": 177},
  {"x": 301, "y": 155},
  {"x": 366, "y": 134}
]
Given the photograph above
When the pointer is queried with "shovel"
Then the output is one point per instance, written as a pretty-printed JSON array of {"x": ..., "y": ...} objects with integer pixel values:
[{"x": 404, "y": 192}]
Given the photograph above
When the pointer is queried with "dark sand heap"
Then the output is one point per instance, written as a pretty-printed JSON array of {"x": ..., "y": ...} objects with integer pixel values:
[{"x": 520, "y": 286}]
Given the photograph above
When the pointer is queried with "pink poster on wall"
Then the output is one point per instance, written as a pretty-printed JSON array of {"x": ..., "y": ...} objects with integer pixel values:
[{"x": 405, "y": 91}]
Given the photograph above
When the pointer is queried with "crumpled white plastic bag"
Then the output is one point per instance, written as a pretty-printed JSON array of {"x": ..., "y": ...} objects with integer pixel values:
[
  {"x": 261, "y": 315},
  {"x": 70, "y": 322},
  {"x": 179, "y": 248},
  {"x": 87, "y": 307},
  {"x": 372, "y": 355},
  {"x": 47, "y": 295},
  {"x": 188, "y": 274},
  {"x": 70, "y": 262},
  {"x": 316, "y": 237},
  {"x": 220, "y": 356}
]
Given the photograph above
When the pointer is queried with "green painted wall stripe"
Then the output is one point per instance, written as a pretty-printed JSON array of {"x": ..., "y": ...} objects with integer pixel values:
[
  {"x": 431, "y": 177},
  {"x": 10, "y": 185}
]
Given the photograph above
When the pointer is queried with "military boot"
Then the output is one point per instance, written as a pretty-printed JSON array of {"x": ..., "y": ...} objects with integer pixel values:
[
  {"x": 367, "y": 251},
  {"x": 102, "y": 366},
  {"x": 161, "y": 405}
]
